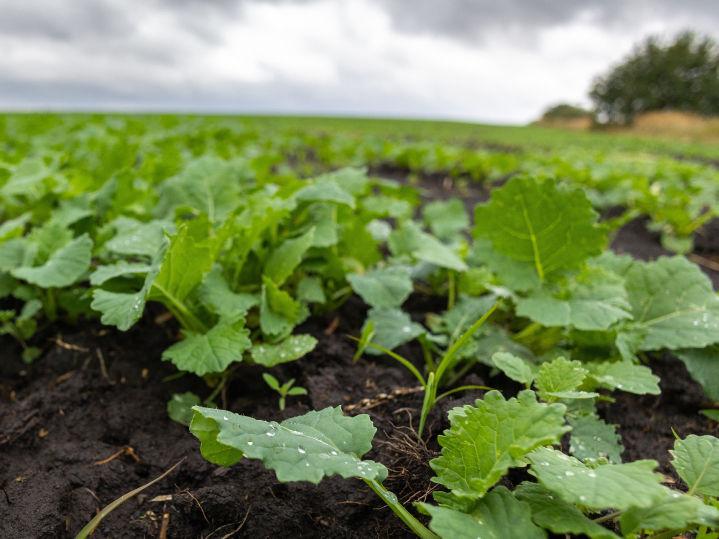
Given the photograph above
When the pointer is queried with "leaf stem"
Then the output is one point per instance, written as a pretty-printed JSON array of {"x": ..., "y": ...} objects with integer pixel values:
[
  {"x": 446, "y": 363},
  {"x": 405, "y": 362},
  {"x": 461, "y": 388},
  {"x": 419, "y": 529}
]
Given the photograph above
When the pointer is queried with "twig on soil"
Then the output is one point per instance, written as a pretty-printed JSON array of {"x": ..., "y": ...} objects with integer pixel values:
[
  {"x": 199, "y": 505},
  {"x": 103, "y": 367},
  {"x": 95, "y": 522},
  {"x": 703, "y": 261},
  {"x": 382, "y": 398},
  {"x": 332, "y": 326},
  {"x": 69, "y": 346},
  {"x": 233, "y": 532},
  {"x": 129, "y": 451},
  {"x": 165, "y": 525}
]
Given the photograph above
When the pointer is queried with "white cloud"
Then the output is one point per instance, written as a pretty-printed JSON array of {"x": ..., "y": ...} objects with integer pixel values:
[{"x": 316, "y": 56}]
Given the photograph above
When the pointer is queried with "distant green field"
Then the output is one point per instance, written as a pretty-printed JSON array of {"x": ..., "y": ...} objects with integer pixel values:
[{"x": 451, "y": 132}]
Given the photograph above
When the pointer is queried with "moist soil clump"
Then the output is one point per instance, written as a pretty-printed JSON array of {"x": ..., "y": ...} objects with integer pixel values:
[{"x": 87, "y": 422}]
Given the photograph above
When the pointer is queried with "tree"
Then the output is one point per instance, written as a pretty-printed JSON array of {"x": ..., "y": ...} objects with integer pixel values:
[{"x": 682, "y": 74}]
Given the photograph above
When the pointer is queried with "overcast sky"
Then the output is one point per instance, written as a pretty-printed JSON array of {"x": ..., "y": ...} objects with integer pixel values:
[{"x": 488, "y": 60}]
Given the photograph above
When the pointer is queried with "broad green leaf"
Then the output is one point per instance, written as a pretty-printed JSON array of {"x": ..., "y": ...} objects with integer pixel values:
[
  {"x": 499, "y": 515},
  {"x": 12, "y": 253},
  {"x": 123, "y": 309},
  {"x": 120, "y": 269},
  {"x": 703, "y": 366},
  {"x": 303, "y": 448},
  {"x": 208, "y": 184},
  {"x": 411, "y": 241},
  {"x": 383, "y": 287},
  {"x": 279, "y": 313},
  {"x": 696, "y": 460},
  {"x": 673, "y": 304},
  {"x": 206, "y": 431},
  {"x": 711, "y": 414},
  {"x": 285, "y": 259},
  {"x": 446, "y": 218},
  {"x": 542, "y": 224},
  {"x": 392, "y": 328},
  {"x": 179, "y": 407},
  {"x": 291, "y": 349},
  {"x": 119, "y": 309},
  {"x": 309, "y": 290},
  {"x": 595, "y": 300},
  {"x": 592, "y": 438},
  {"x": 495, "y": 434},
  {"x": 325, "y": 189},
  {"x": 623, "y": 375},
  {"x": 188, "y": 258},
  {"x": 135, "y": 238},
  {"x": 202, "y": 353},
  {"x": 517, "y": 276},
  {"x": 556, "y": 515},
  {"x": 615, "y": 486},
  {"x": 560, "y": 379},
  {"x": 64, "y": 267},
  {"x": 676, "y": 511},
  {"x": 323, "y": 218},
  {"x": 215, "y": 293},
  {"x": 514, "y": 367}
]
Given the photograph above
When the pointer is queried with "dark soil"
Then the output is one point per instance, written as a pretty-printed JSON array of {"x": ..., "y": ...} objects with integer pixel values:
[{"x": 96, "y": 392}]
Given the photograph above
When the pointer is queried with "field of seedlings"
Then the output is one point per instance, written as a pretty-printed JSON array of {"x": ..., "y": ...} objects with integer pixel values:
[{"x": 216, "y": 327}]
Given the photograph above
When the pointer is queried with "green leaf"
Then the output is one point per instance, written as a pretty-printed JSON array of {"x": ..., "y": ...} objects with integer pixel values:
[
  {"x": 271, "y": 381},
  {"x": 135, "y": 238},
  {"x": 711, "y": 414},
  {"x": 558, "y": 516},
  {"x": 594, "y": 300},
  {"x": 542, "y": 224},
  {"x": 202, "y": 353},
  {"x": 278, "y": 311},
  {"x": 309, "y": 290},
  {"x": 616, "y": 486},
  {"x": 64, "y": 267},
  {"x": 208, "y": 184},
  {"x": 696, "y": 460},
  {"x": 560, "y": 378},
  {"x": 392, "y": 328},
  {"x": 291, "y": 349},
  {"x": 120, "y": 269},
  {"x": 623, "y": 375},
  {"x": 517, "y": 276},
  {"x": 206, "y": 430},
  {"x": 703, "y": 366},
  {"x": 215, "y": 293},
  {"x": 383, "y": 287},
  {"x": 676, "y": 511},
  {"x": 514, "y": 367},
  {"x": 179, "y": 407},
  {"x": 673, "y": 304},
  {"x": 495, "y": 434},
  {"x": 325, "y": 189},
  {"x": 285, "y": 258},
  {"x": 411, "y": 241},
  {"x": 499, "y": 515},
  {"x": 119, "y": 309},
  {"x": 593, "y": 439},
  {"x": 188, "y": 258},
  {"x": 303, "y": 448},
  {"x": 446, "y": 218}
]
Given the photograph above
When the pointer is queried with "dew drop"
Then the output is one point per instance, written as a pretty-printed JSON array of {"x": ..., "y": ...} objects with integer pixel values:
[{"x": 301, "y": 451}]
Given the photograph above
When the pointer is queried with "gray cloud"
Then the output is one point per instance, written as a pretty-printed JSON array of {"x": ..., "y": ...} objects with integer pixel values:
[
  {"x": 473, "y": 19},
  {"x": 102, "y": 54}
]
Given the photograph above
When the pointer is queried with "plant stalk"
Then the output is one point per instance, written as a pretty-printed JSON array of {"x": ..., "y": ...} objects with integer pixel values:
[{"x": 419, "y": 529}]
